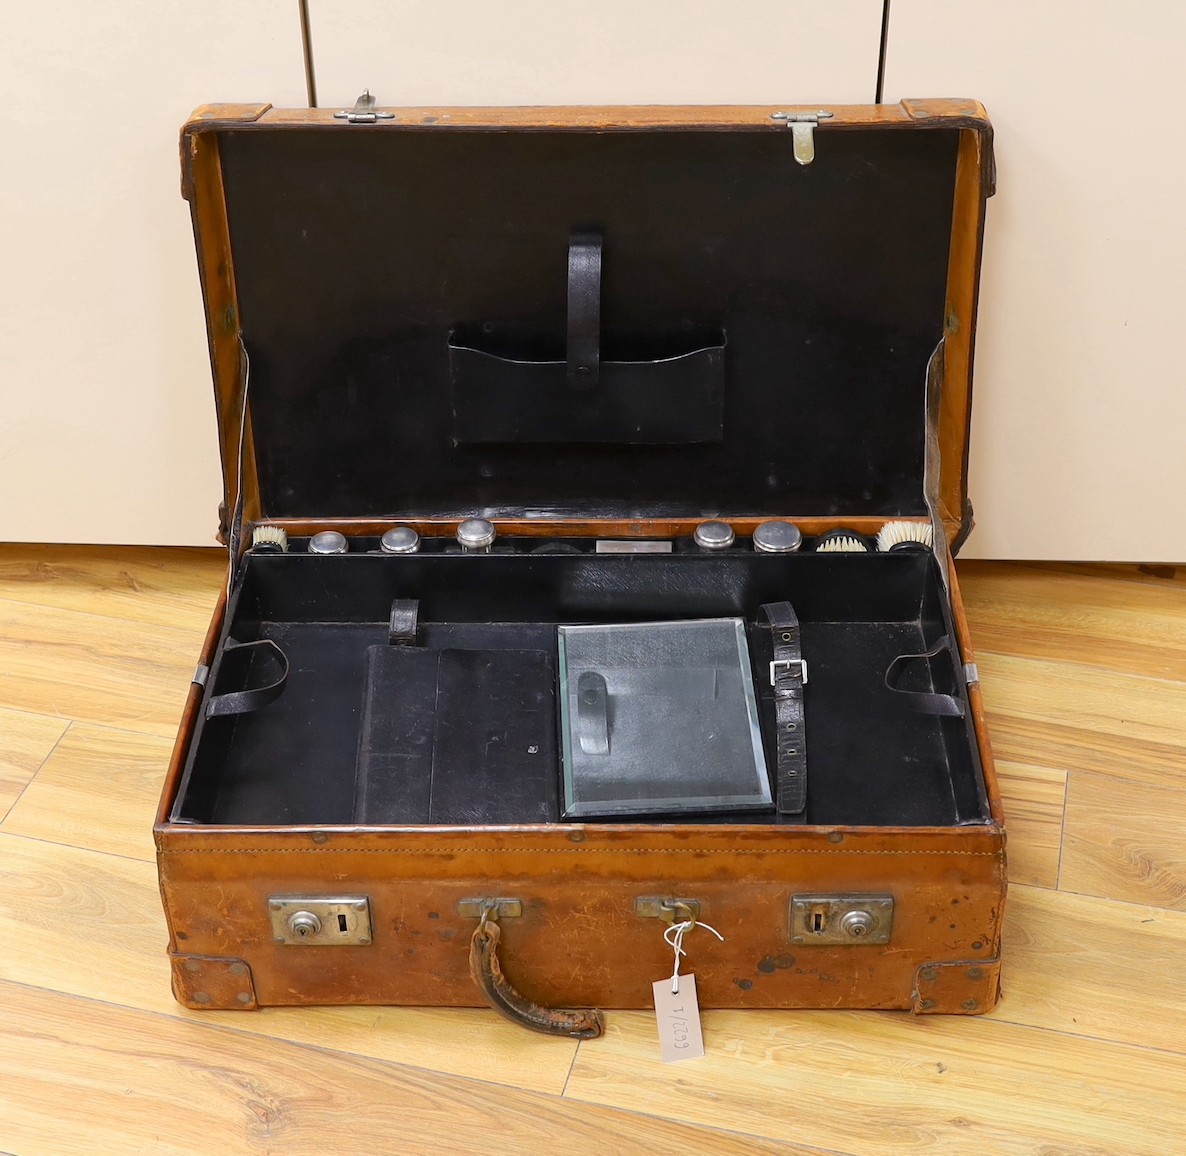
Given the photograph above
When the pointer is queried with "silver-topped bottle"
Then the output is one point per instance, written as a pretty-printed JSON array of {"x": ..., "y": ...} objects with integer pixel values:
[
  {"x": 328, "y": 542},
  {"x": 476, "y": 536},
  {"x": 400, "y": 540},
  {"x": 714, "y": 536},
  {"x": 777, "y": 537}
]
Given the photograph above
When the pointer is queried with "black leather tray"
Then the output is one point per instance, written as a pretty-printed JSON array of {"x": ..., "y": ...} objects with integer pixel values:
[{"x": 873, "y": 760}]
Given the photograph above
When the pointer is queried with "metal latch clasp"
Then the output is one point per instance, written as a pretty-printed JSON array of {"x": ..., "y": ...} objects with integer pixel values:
[
  {"x": 802, "y": 126},
  {"x": 669, "y": 910},
  {"x": 490, "y": 908},
  {"x": 364, "y": 111}
]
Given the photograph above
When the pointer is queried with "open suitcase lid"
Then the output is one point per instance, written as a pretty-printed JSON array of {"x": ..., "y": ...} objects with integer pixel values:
[{"x": 543, "y": 315}]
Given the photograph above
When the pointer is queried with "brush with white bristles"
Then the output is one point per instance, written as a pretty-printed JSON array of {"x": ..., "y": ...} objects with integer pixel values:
[
  {"x": 269, "y": 540},
  {"x": 841, "y": 541},
  {"x": 905, "y": 536}
]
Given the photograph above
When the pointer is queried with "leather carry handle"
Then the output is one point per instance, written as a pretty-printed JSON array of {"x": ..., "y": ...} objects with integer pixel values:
[
  {"x": 584, "y": 310},
  {"x": 577, "y": 1023}
]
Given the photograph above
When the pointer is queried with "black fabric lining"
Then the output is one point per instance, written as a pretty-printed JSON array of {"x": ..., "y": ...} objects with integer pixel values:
[
  {"x": 357, "y": 254},
  {"x": 457, "y": 737}
]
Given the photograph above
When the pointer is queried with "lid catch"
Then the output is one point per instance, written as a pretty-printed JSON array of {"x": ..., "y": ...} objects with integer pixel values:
[
  {"x": 364, "y": 111},
  {"x": 802, "y": 126}
]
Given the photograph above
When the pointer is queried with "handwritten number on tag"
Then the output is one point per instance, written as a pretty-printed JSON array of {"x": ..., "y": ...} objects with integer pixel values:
[{"x": 678, "y": 1016}]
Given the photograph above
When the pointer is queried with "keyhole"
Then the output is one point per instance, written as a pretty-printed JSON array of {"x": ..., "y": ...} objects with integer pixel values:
[
  {"x": 303, "y": 924},
  {"x": 817, "y": 922}
]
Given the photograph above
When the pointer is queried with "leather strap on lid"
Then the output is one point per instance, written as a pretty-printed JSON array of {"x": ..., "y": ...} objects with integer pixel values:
[
  {"x": 788, "y": 676},
  {"x": 584, "y": 310}
]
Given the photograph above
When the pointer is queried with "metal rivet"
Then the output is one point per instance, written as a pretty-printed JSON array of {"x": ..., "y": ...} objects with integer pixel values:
[
  {"x": 201, "y": 997},
  {"x": 927, "y": 1005},
  {"x": 792, "y": 727},
  {"x": 975, "y": 973},
  {"x": 192, "y": 965},
  {"x": 930, "y": 974},
  {"x": 275, "y": 905},
  {"x": 245, "y": 997},
  {"x": 360, "y": 906},
  {"x": 364, "y": 939},
  {"x": 835, "y": 837},
  {"x": 279, "y": 939},
  {"x": 238, "y": 969},
  {"x": 977, "y": 945},
  {"x": 970, "y": 1005}
]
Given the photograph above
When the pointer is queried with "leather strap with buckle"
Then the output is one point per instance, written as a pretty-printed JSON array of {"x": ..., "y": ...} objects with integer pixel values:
[{"x": 788, "y": 676}]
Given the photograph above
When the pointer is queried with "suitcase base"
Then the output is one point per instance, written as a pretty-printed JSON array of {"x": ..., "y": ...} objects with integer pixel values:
[{"x": 890, "y": 895}]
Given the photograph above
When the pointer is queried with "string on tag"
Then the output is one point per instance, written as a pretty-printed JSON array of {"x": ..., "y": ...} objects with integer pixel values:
[{"x": 674, "y": 936}]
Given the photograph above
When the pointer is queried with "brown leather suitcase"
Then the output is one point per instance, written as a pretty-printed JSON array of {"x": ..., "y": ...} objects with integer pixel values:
[{"x": 769, "y": 315}]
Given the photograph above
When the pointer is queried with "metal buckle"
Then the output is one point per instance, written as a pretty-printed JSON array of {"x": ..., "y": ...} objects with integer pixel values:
[{"x": 786, "y": 664}]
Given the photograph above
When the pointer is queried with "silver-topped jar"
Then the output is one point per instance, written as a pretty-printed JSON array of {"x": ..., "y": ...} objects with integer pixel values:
[
  {"x": 400, "y": 540},
  {"x": 328, "y": 542},
  {"x": 777, "y": 537},
  {"x": 476, "y": 535},
  {"x": 714, "y": 536}
]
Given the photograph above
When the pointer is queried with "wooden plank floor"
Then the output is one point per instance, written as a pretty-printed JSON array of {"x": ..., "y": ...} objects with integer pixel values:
[{"x": 1084, "y": 673}]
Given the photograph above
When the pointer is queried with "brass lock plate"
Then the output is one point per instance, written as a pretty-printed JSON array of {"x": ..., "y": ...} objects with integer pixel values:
[
  {"x": 320, "y": 920},
  {"x": 841, "y": 920}
]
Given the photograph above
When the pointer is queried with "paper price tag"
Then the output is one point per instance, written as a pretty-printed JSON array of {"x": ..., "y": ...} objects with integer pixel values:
[{"x": 678, "y": 1015}]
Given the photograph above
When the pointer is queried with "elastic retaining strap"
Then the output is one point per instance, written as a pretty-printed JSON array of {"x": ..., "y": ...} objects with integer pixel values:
[
  {"x": 245, "y": 701},
  {"x": 403, "y": 622},
  {"x": 924, "y": 701}
]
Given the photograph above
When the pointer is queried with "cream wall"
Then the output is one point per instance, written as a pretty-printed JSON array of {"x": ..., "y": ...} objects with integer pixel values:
[
  {"x": 106, "y": 423},
  {"x": 106, "y": 416},
  {"x": 602, "y": 52},
  {"x": 1080, "y": 406}
]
